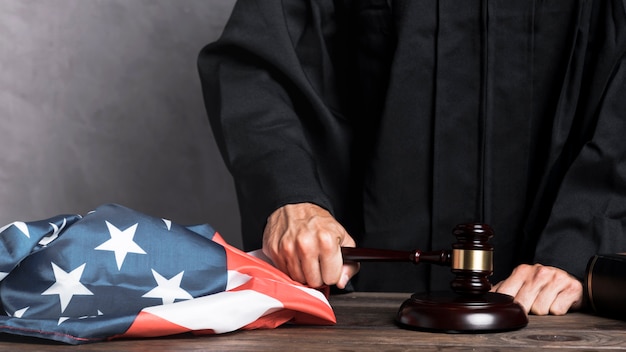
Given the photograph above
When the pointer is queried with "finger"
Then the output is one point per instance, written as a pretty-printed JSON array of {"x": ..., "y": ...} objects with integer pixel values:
[
  {"x": 558, "y": 299},
  {"x": 270, "y": 249},
  {"x": 331, "y": 260},
  {"x": 527, "y": 297},
  {"x": 496, "y": 287},
  {"x": 544, "y": 300},
  {"x": 517, "y": 285},
  {"x": 331, "y": 266},
  {"x": 347, "y": 272},
  {"x": 559, "y": 295},
  {"x": 288, "y": 259},
  {"x": 569, "y": 298},
  {"x": 308, "y": 253},
  {"x": 294, "y": 269},
  {"x": 540, "y": 289},
  {"x": 510, "y": 285},
  {"x": 311, "y": 271}
]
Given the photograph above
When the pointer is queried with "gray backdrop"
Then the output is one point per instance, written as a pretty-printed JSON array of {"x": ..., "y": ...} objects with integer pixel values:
[{"x": 100, "y": 102}]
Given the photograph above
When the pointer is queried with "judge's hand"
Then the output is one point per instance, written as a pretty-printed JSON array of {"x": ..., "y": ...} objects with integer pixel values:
[
  {"x": 304, "y": 241},
  {"x": 542, "y": 289}
]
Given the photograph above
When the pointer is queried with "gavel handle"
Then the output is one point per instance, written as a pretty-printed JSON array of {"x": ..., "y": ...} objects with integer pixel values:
[{"x": 351, "y": 254}]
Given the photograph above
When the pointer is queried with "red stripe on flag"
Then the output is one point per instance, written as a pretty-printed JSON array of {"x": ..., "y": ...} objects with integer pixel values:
[
  {"x": 270, "y": 321},
  {"x": 304, "y": 308},
  {"x": 150, "y": 325}
]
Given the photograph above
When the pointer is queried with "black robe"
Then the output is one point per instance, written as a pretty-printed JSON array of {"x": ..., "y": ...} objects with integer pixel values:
[{"x": 407, "y": 117}]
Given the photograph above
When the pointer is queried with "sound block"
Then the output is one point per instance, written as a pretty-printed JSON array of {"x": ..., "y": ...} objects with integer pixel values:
[{"x": 453, "y": 313}]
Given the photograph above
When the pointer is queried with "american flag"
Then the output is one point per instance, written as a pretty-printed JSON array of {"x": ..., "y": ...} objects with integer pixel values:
[{"x": 118, "y": 273}]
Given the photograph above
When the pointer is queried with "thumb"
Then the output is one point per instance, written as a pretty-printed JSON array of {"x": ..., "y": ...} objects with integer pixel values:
[
  {"x": 349, "y": 269},
  {"x": 347, "y": 272}
]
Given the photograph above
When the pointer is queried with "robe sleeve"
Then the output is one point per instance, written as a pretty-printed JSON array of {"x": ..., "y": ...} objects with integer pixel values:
[
  {"x": 268, "y": 120},
  {"x": 589, "y": 211}
]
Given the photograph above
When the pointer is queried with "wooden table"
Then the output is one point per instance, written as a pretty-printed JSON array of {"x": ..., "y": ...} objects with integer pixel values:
[{"x": 365, "y": 323}]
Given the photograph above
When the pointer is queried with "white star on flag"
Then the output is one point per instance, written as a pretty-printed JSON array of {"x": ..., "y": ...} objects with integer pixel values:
[
  {"x": 168, "y": 290},
  {"x": 20, "y": 225},
  {"x": 121, "y": 243},
  {"x": 20, "y": 312},
  {"x": 67, "y": 285}
]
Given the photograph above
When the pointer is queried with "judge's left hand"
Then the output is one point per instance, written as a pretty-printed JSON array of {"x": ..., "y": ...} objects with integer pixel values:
[{"x": 542, "y": 289}]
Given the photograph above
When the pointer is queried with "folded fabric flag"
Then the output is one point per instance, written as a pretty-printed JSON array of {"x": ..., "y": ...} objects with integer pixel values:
[{"x": 117, "y": 273}]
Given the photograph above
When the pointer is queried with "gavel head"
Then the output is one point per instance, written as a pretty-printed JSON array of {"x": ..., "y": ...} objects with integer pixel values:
[{"x": 472, "y": 259}]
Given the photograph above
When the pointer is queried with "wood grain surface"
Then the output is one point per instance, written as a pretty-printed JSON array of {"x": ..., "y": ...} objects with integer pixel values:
[{"x": 365, "y": 322}]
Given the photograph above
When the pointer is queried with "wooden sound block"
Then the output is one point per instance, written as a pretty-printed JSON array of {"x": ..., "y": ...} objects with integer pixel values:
[{"x": 453, "y": 313}]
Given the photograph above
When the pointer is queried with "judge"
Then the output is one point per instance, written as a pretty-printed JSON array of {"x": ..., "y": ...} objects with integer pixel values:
[{"x": 384, "y": 124}]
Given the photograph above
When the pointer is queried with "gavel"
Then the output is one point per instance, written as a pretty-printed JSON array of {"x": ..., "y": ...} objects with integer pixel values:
[
  {"x": 471, "y": 258},
  {"x": 471, "y": 308}
]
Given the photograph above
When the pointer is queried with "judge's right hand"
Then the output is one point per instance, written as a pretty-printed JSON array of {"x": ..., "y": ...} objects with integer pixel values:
[{"x": 304, "y": 240}]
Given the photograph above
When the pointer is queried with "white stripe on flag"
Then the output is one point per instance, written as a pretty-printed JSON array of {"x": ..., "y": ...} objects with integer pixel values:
[
  {"x": 315, "y": 293},
  {"x": 236, "y": 279},
  {"x": 222, "y": 312}
]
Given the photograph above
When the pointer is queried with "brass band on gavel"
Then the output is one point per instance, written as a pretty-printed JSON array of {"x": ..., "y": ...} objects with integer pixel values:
[{"x": 469, "y": 259}]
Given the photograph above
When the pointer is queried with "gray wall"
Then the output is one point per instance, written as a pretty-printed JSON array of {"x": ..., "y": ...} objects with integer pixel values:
[{"x": 100, "y": 102}]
